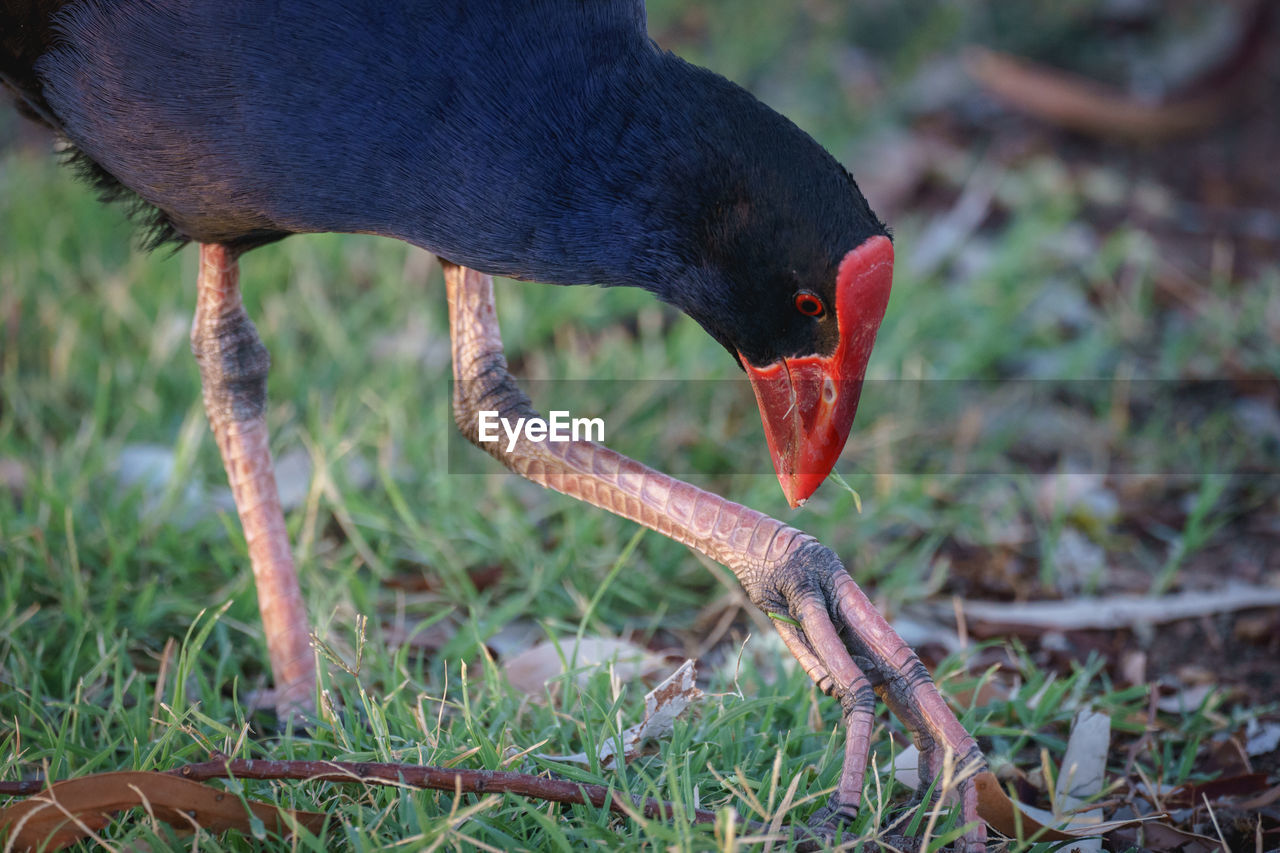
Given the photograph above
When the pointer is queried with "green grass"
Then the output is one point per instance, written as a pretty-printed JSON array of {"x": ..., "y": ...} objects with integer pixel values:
[{"x": 96, "y": 577}]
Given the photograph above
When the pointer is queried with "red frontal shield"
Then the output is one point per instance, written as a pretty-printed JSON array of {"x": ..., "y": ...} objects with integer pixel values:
[{"x": 808, "y": 403}]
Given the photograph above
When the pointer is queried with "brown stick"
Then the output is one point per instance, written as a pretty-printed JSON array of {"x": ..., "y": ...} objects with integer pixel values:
[
  {"x": 437, "y": 779},
  {"x": 417, "y": 776},
  {"x": 1002, "y": 811}
]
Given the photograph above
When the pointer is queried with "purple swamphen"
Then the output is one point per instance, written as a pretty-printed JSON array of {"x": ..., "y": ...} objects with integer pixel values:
[{"x": 549, "y": 140}]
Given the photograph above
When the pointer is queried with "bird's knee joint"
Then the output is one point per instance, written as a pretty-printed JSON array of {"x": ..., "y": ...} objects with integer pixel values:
[
  {"x": 808, "y": 568},
  {"x": 489, "y": 388},
  {"x": 233, "y": 366},
  {"x": 763, "y": 590}
]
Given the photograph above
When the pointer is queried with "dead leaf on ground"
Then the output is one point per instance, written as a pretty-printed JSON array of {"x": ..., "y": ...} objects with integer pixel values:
[
  {"x": 1014, "y": 819},
  {"x": 1164, "y": 837},
  {"x": 513, "y": 638},
  {"x": 153, "y": 469},
  {"x": 1019, "y": 820},
  {"x": 1086, "y": 106},
  {"x": 1261, "y": 801},
  {"x": 530, "y": 671},
  {"x": 1194, "y": 794},
  {"x": 1083, "y": 772},
  {"x": 987, "y": 691},
  {"x": 73, "y": 810},
  {"x": 1188, "y": 700},
  {"x": 1263, "y": 737},
  {"x": 904, "y": 162},
  {"x": 662, "y": 706}
]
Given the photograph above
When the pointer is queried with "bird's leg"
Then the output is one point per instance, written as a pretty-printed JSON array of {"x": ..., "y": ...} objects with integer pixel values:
[
  {"x": 233, "y": 373},
  {"x": 843, "y": 643},
  {"x": 911, "y": 696}
]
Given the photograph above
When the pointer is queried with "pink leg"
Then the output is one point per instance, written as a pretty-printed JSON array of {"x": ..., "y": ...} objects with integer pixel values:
[
  {"x": 859, "y": 703},
  {"x": 785, "y": 572},
  {"x": 912, "y": 696},
  {"x": 233, "y": 372}
]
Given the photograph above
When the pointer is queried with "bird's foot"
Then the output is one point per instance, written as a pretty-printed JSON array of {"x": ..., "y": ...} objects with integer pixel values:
[{"x": 852, "y": 653}]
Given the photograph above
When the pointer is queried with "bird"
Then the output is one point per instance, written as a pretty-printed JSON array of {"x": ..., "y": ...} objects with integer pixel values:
[{"x": 544, "y": 140}]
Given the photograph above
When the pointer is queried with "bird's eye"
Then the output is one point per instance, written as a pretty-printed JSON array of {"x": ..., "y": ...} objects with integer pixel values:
[{"x": 809, "y": 304}]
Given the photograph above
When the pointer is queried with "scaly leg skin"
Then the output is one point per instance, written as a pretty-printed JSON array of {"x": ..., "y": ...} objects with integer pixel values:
[
  {"x": 233, "y": 373},
  {"x": 839, "y": 638}
]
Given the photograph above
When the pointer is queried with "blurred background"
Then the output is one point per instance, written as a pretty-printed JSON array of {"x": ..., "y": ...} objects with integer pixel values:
[{"x": 1075, "y": 397}]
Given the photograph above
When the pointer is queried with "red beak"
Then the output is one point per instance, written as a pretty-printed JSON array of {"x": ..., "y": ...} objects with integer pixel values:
[{"x": 807, "y": 403}]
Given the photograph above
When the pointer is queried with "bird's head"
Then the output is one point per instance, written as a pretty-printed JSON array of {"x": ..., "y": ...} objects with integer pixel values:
[
  {"x": 727, "y": 210},
  {"x": 798, "y": 273},
  {"x": 808, "y": 392}
]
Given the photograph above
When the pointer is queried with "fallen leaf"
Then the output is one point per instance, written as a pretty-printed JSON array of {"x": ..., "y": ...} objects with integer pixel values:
[
  {"x": 906, "y": 767},
  {"x": 662, "y": 706},
  {"x": 70, "y": 811},
  {"x": 1186, "y": 701},
  {"x": 1017, "y": 820},
  {"x": 987, "y": 692},
  {"x": 1086, "y": 106},
  {"x": 530, "y": 671},
  {"x": 1259, "y": 628},
  {"x": 904, "y": 161},
  {"x": 1162, "y": 837},
  {"x": 1133, "y": 666},
  {"x": 1261, "y": 738},
  {"x": 1084, "y": 766},
  {"x": 1077, "y": 561},
  {"x": 1261, "y": 801},
  {"x": 517, "y": 636},
  {"x": 1193, "y": 795},
  {"x": 293, "y": 478}
]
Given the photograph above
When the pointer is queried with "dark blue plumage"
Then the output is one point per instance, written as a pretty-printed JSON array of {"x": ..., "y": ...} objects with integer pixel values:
[{"x": 549, "y": 140}]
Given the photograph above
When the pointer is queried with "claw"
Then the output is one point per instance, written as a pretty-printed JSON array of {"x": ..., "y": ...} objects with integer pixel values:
[{"x": 851, "y": 652}]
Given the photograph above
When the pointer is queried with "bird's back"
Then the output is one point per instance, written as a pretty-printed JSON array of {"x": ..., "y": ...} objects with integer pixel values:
[
  {"x": 549, "y": 140},
  {"x": 242, "y": 121}
]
